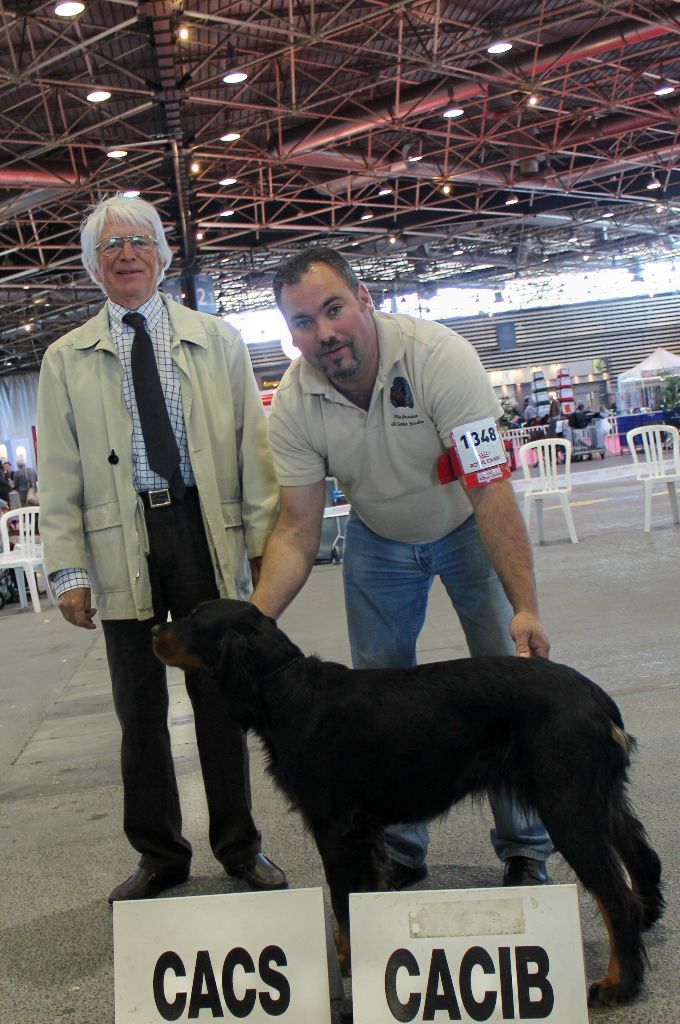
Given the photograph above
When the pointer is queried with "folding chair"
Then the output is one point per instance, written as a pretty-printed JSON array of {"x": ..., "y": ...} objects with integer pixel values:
[
  {"x": 547, "y": 478},
  {"x": 656, "y": 456}
]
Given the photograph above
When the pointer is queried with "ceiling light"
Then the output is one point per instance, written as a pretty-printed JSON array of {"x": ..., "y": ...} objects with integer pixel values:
[
  {"x": 230, "y": 137},
  {"x": 117, "y": 154},
  {"x": 228, "y": 181},
  {"x": 199, "y": 236},
  {"x": 453, "y": 112},
  {"x": 234, "y": 77},
  {"x": 607, "y": 213},
  {"x": 183, "y": 32},
  {"x": 512, "y": 199},
  {"x": 98, "y": 96},
  {"x": 194, "y": 168},
  {"x": 69, "y": 9},
  {"x": 446, "y": 189},
  {"x": 27, "y": 327},
  {"x": 387, "y": 191},
  {"x": 227, "y": 213},
  {"x": 415, "y": 158},
  {"x": 665, "y": 89},
  {"x": 367, "y": 215},
  {"x": 393, "y": 239},
  {"x": 499, "y": 46},
  {"x": 532, "y": 100},
  {"x": 653, "y": 182},
  {"x": 131, "y": 193}
]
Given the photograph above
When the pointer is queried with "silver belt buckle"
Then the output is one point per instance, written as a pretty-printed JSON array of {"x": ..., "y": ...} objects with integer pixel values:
[{"x": 159, "y": 498}]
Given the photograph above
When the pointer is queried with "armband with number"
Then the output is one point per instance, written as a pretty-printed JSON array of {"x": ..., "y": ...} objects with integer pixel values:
[{"x": 477, "y": 456}]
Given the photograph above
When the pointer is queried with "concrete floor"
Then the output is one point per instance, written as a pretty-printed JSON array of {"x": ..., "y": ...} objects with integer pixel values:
[{"x": 610, "y": 605}]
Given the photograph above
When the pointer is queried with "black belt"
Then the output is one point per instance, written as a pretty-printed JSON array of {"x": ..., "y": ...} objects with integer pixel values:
[{"x": 162, "y": 498}]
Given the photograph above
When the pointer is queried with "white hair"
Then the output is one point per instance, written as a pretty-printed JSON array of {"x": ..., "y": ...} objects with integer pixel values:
[{"x": 122, "y": 210}]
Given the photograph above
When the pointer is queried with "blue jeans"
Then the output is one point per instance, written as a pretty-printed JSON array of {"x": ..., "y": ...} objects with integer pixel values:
[{"x": 387, "y": 585}]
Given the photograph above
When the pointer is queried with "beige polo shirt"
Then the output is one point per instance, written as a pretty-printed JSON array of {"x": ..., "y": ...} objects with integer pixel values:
[{"x": 429, "y": 381}]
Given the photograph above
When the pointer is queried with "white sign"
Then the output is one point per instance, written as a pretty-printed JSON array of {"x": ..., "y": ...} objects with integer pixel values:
[
  {"x": 480, "y": 452},
  {"x": 511, "y": 954},
  {"x": 254, "y": 957}
]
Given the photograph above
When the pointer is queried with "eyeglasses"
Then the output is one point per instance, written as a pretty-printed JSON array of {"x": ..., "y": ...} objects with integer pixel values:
[{"x": 113, "y": 245}]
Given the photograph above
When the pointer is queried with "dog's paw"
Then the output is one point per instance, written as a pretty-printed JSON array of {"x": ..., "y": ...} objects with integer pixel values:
[{"x": 605, "y": 992}]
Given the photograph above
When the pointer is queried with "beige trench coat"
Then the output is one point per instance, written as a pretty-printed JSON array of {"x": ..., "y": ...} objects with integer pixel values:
[{"x": 90, "y": 514}]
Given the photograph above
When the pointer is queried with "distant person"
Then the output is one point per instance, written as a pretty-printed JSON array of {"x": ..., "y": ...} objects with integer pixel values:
[
  {"x": 579, "y": 419},
  {"x": 25, "y": 479},
  {"x": 529, "y": 413}
]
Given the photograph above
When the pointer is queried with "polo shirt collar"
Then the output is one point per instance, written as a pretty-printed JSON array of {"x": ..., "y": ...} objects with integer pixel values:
[{"x": 390, "y": 348}]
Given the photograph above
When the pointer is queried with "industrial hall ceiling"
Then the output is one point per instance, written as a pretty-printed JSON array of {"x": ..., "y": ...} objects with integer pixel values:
[{"x": 384, "y": 128}]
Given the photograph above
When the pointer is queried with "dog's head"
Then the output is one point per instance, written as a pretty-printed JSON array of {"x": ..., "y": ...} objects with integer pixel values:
[{"x": 220, "y": 632}]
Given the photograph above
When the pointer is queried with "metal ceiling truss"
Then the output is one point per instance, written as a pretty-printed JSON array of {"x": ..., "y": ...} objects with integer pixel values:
[{"x": 340, "y": 99}]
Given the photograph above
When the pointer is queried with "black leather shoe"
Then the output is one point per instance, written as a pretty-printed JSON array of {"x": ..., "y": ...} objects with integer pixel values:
[
  {"x": 400, "y": 876},
  {"x": 525, "y": 871},
  {"x": 143, "y": 884},
  {"x": 259, "y": 872}
]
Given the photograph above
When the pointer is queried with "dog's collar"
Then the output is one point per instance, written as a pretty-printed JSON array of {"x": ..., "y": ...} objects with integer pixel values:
[{"x": 281, "y": 668}]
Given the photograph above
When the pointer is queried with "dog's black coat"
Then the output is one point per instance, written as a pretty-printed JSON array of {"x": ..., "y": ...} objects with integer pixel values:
[{"x": 355, "y": 750}]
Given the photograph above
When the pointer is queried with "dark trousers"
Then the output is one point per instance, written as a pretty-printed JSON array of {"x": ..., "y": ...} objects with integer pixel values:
[{"x": 182, "y": 575}]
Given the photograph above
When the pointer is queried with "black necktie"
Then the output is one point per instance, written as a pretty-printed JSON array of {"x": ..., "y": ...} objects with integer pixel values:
[{"x": 159, "y": 437}]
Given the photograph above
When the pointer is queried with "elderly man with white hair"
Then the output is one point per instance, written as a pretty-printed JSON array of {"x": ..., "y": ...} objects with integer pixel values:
[{"x": 157, "y": 491}]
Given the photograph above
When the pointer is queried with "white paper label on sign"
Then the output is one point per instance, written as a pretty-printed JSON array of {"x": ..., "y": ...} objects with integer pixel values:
[
  {"x": 251, "y": 956},
  {"x": 512, "y": 954},
  {"x": 480, "y": 452}
]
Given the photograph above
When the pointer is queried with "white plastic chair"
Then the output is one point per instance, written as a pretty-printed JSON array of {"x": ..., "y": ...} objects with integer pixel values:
[
  {"x": 27, "y": 557},
  {"x": 656, "y": 456},
  {"x": 547, "y": 478}
]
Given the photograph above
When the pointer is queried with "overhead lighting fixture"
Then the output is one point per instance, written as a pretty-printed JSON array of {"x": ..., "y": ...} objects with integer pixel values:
[
  {"x": 585, "y": 257},
  {"x": 446, "y": 189},
  {"x": 665, "y": 89},
  {"x": 117, "y": 154},
  {"x": 230, "y": 137},
  {"x": 393, "y": 239},
  {"x": 607, "y": 213},
  {"x": 228, "y": 181},
  {"x": 131, "y": 193},
  {"x": 183, "y": 32},
  {"x": 199, "y": 236},
  {"x": 385, "y": 191},
  {"x": 453, "y": 112},
  {"x": 415, "y": 158},
  {"x": 653, "y": 182},
  {"x": 194, "y": 167},
  {"x": 512, "y": 199},
  {"x": 234, "y": 77},
  {"x": 499, "y": 46},
  {"x": 98, "y": 96},
  {"x": 227, "y": 213},
  {"x": 532, "y": 100},
  {"x": 367, "y": 215},
  {"x": 70, "y": 9}
]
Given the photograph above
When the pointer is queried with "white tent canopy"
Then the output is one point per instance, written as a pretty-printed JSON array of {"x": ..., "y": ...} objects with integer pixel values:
[
  {"x": 639, "y": 387},
  {"x": 660, "y": 362}
]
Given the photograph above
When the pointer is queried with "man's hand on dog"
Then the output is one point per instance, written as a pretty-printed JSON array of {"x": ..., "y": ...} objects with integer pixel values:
[
  {"x": 529, "y": 636},
  {"x": 75, "y": 606}
]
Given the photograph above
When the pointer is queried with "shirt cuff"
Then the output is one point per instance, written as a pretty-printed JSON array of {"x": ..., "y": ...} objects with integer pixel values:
[{"x": 68, "y": 579}]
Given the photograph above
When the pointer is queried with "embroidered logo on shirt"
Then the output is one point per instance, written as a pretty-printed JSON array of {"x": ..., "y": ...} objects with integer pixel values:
[{"x": 401, "y": 395}]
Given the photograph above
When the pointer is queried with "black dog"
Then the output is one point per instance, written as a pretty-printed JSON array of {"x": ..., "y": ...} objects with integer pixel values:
[{"x": 355, "y": 750}]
